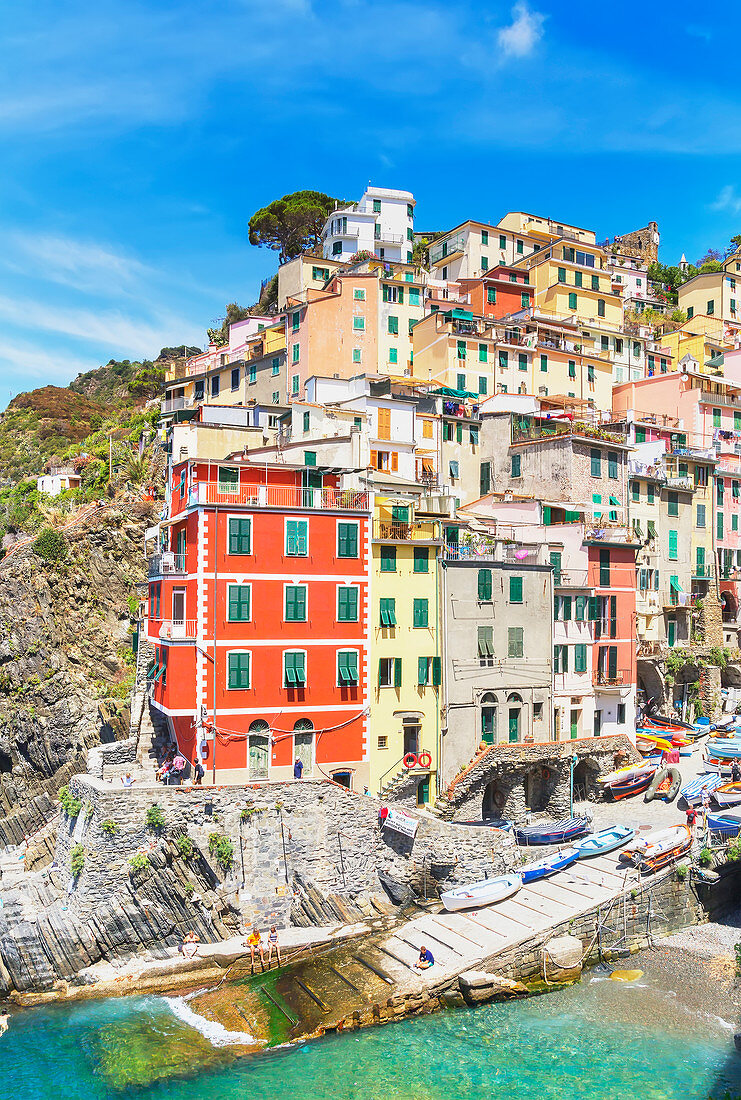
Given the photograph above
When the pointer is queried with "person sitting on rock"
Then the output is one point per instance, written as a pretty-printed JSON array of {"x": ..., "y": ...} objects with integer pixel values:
[
  {"x": 254, "y": 942},
  {"x": 190, "y": 945},
  {"x": 425, "y": 960}
]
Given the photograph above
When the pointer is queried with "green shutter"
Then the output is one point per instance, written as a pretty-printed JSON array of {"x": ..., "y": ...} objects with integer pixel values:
[
  {"x": 436, "y": 671},
  {"x": 580, "y": 608},
  {"x": 238, "y": 671},
  {"x": 388, "y": 611},
  {"x": 515, "y": 589},
  {"x": 239, "y": 603},
  {"x": 397, "y": 672},
  {"x": 347, "y": 540},
  {"x": 484, "y": 584},
  {"x": 421, "y": 612},
  {"x": 295, "y": 603},
  {"x": 421, "y": 559},
  {"x": 612, "y": 662},
  {"x": 388, "y": 559},
  {"x": 596, "y": 462},
  {"x": 515, "y": 641},
  {"x": 673, "y": 545},
  {"x": 347, "y": 604},
  {"x": 580, "y": 658},
  {"x": 422, "y": 670}
]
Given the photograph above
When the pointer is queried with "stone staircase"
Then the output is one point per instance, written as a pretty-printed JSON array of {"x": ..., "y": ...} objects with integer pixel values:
[
  {"x": 402, "y": 786},
  {"x": 148, "y": 725}
]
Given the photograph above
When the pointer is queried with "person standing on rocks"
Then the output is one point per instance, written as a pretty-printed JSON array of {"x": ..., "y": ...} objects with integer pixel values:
[{"x": 298, "y": 769}]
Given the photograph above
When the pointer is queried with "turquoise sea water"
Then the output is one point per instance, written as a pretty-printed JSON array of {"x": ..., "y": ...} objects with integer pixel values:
[{"x": 600, "y": 1039}]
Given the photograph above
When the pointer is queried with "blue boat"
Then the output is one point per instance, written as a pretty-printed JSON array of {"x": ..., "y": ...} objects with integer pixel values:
[
  {"x": 605, "y": 841},
  {"x": 541, "y": 868},
  {"x": 727, "y": 823},
  {"x": 553, "y": 832},
  {"x": 708, "y": 781}
]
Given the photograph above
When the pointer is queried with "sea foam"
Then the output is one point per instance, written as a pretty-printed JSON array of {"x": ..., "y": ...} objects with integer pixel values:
[{"x": 215, "y": 1032}]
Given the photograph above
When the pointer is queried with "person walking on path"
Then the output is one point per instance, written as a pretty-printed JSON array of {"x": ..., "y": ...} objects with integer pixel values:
[
  {"x": 298, "y": 769},
  {"x": 198, "y": 772}
]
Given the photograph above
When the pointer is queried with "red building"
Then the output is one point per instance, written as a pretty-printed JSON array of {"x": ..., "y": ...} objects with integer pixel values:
[
  {"x": 611, "y": 575},
  {"x": 258, "y": 612},
  {"x": 502, "y": 291}
]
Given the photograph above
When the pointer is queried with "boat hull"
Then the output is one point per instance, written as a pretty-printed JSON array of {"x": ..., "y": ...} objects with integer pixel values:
[
  {"x": 606, "y": 841},
  {"x": 478, "y": 894},
  {"x": 638, "y": 785},
  {"x": 542, "y": 868},
  {"x": 557, "y": 833}
]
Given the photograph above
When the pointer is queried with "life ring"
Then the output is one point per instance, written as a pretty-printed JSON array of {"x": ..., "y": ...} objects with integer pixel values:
[
  {"x": 545, "y": 773},
  {"x": 410, "y": 760},
  {"x": 498, "y": 799},
  {"x": 424, "y": 760}
]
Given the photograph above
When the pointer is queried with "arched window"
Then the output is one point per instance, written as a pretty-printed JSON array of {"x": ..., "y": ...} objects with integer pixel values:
[
  {"x": 489, "y": 718},
  {"x": 258, "y": 750},
  {"x": 514, "y": 698},
  {"x": 303, "y": 743}
]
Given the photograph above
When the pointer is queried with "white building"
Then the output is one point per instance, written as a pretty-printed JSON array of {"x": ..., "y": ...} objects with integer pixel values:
[
  {"x": 58, "y": 480},
  {"x": 382, "y": 222}
]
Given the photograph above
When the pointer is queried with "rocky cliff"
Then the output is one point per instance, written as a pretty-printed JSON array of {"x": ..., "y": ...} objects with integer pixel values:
[{"x": 65, "y": 660}]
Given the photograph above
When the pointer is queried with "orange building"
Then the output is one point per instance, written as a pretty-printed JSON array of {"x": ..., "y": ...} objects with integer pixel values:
[
  {"x": 258, "y": 609},
  {"x": 499, "y": 293},
  {"x": 612, "y": 577}
]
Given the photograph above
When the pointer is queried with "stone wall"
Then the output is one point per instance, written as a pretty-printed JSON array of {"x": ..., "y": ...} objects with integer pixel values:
[
  {"x": 297, "y": 846},
  {"x": 512, "y": 779},
  {"x": 641, "y": 242},
  {"x": 116, "y": 754},
  {"x": 711, "y": 620}
]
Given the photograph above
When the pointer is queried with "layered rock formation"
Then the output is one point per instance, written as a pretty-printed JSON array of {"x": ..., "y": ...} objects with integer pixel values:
[{"x": 65, "y": 660}]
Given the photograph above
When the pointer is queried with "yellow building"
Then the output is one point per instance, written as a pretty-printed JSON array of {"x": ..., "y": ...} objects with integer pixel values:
[
  {"x": 715, "y": 294},
  {"x": 701, "y": 337},
  {"x": 247, "y": 370},
  {"x": 405, "y": 650},
  {"x": 571, "y": 280}
]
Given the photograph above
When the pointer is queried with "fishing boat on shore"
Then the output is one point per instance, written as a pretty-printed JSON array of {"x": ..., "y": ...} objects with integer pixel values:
[
  {"x": 653, "y": 851},
  {"x": 541, "y": 868},
  {"x": 692, "y": 792},
  {"x": 553, "y": 832},
  {"x": 475, "y": 894},
  {"x": 622, "y": 775},
  {"x": 725, "y": 822},
  {"x": 626, "y": 782},
  {"x": 607, "y": 840},
  {"x": 725, "y": 748},
  {"x": 665, "y": 783},
  {"x": 728, "y": 794}
]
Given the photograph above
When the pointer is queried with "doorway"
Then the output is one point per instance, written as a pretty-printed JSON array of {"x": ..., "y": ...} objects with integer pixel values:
[
  {"x": 257, "y": 760},
  {"x": 303, "y": 744},
  {"x": 574, "y": 724},
  {"x": 488, "y": 718},
  {"x": 311, "y": 479},
  {"x": 412, "y": 733},
  {"x": 514, "y": 724}
]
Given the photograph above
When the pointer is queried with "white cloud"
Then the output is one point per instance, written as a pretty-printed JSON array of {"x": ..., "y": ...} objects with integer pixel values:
[
  {"x": 21, "y": 358},
  {"x": 727, "y": 200},
  {"x": 84, "y": 265},
  {"x": 521, "y": 37}
]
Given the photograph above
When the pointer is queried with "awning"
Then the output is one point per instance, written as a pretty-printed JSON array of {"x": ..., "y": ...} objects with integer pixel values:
[
  {"x": 615, "y": 502},
  {"x": 445, "y": 391},
  {"x": 675, "y": 585}
]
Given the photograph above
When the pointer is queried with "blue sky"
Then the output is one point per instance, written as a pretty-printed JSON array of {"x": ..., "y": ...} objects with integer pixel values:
[{"x": 137, "y": 139}]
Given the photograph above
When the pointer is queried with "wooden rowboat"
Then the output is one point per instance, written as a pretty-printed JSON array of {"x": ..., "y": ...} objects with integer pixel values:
[
  {"x": 605, "y": 841},
  {"x": 476, "y": 894}
]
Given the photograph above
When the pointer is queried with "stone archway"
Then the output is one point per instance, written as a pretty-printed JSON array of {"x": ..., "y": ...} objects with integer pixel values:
[
  {"x": 539, "y": 783},
  {"x": 585, "y": 780},
  {"x": 496, "y": 794},
  {"x": 651, "y": 682}
]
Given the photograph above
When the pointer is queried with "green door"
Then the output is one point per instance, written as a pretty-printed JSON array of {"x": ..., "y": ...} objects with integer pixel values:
[
  {"x": 556, "y": 563},
  {"x": 312, "y": 480},
  {"x": 488, "y": 723},
  {"x": 574, "y": 724},
  {"x": 514, "y": 724},
  {"x": 671, "y": 632}
]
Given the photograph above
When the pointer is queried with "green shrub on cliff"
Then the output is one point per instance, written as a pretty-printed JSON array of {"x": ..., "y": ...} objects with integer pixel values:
[
  {"x": 138, "y": 862},
  {"x": 70, "y": 804},
  {"x": 185, "y": 846},
  {"x": 109, "y": 827},
  {"x": 155, "y": 817},
  {"x": 222, "y": 849},
  {"x": 77, "y": 860},
  {"x": 51, "y": 545}
]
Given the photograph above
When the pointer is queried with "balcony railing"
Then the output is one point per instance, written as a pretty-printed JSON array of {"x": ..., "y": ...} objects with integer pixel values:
[
  {"x": 673, "y": 482},
  {"x": 178, "y": 630},
  {"x": 571, "y": 578},
  {"x": 470, "y": 551},
  {"x": 602, "y": 678},
  {"x": 388, "y": 238},
  {"x": 398, "y": 531},
  {"x": 279, "y": 496},
  {"x": 175, "y": 404},
  {"x": 167, "y": 562}
]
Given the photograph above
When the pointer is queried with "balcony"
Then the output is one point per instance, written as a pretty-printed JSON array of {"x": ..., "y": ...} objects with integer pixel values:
[
  {"x": 165, "y": 564},
  {"x": 278, "y": 496},
  {"x": 178, "y": 630},
  {"x": 615, "y": 680},
  {"x": 685, "y": 483},
  {"x": 389, "y": 238},
  {"x": 398, "y": 531},
  {"x": 452, "y": 246},
  {"x": 571, "y": 578},
  {"x": 175, "y": 404}
]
